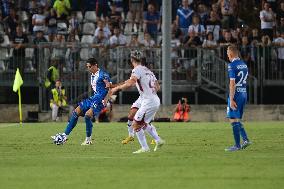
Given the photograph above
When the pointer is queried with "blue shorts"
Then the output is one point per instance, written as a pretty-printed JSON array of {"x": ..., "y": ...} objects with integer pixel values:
[
  {"x": 238, "y": 113},
  {"x": 94, "y": 102}
]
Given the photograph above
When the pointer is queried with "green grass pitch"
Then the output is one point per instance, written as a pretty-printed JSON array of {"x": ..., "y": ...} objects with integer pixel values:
[{"x": 193, "y": 157}]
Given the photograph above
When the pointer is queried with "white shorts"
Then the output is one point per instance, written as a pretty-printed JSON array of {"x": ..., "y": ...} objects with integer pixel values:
[
  {"x": 137, "y": 103},
  {"x": 147, "y": 111}
]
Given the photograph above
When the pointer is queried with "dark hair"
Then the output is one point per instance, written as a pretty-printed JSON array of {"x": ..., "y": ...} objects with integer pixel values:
[{"x": 92, "y": 61}]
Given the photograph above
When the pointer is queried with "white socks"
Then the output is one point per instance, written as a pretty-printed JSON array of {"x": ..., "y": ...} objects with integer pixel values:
[
  {"x": 152, "y": 132},
  {"x": 130, "y": 128},
  {"x": 142, "y": 139}
]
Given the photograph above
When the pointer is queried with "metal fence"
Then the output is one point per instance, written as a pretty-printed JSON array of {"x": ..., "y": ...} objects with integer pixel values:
[{"x": 193, "y": 69}]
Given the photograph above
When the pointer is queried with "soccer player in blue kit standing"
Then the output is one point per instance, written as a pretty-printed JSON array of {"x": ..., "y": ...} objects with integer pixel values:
[
  {"x": 91, "y": 106},
  {"x": 238, "y": 73}
]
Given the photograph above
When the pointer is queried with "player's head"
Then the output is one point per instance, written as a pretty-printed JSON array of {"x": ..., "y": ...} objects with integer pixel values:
[
  {"x": 136, "y": 57},
  {"x": 92, "y": 65},
  {"x": 58, "y": 83},
  {"x": 232, "y": 52}
]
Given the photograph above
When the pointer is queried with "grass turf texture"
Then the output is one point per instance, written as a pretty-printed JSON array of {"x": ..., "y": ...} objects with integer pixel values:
[{"x": 193, "y": 157}]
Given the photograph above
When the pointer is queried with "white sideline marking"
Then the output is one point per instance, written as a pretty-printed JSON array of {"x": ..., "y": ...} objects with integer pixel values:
[{"x": 9, "y": 125}]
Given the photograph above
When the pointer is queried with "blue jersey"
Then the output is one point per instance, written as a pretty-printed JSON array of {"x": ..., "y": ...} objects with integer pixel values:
[
  {"x": 185, "y": 17},
  {"x": 238, "y": 71},
  {"x": 100, "y": 91},
  {"x": 98, "y": 84}
]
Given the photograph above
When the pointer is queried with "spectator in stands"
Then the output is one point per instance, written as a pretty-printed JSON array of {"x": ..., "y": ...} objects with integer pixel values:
[
  {"x": 118, "y": 4},
  {"x": 37, "y": 40},
  {"x": 267, "y": 20},
  {"x": 115, "y": 16},
  {"x": 73, "y": 52},
  {"x": 280, "y": 28},
  {"x": 58, "y": 100},
  {"x": 74, "y": 24},
  {"x": 209, "y": 42},
  {"x": 52, "y": 75},
  {"x": 135, "y": 13},
  {"x": 19, "y": 41},
  {"x": 148, "y": 41},
  {"x": 224, "y": 42},
  {"x": 279, "y": 42},
  {"x": 134, "y": 42},
  {"x": 227, "y": 39},
  {"x": 228, "y": 11},
  {"x": 6, "y": 6},
  {"x": 12, "y": 21},
  {"x": 181, "y": 112},
  {"x": 4, "y": 44},
  {"x": 280, "y": 11},
  {"x": 197, "y": 27},
  {"x": 184, "y": 17},
  {"x": 202, "y": 13},
  {"x": 62, "y": 8},
  {"x": 39, "y": 20},
  {"x": 192, "y": 39},
  {"x": 254, "y": 36},
  {"x": 102, "y": 9},
  {"x": 265, "y": 53},
  {"x": 101, "y": 26},
  {"x": 101, "y": 44},
  {"x": 51, "y": 24},
  {"x": 151, "y": 21},
  {"x": 117, "y": 39},
  {"x": 245, "y": 51},
  {"x": 213, "y": 25},
  {"x": 216, "y": 10}
]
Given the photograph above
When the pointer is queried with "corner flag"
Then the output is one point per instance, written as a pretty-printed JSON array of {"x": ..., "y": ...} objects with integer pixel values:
[{"x": 18, "y": 82}]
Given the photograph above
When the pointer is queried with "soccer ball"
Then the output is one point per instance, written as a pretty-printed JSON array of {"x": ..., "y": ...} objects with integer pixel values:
[{"x": 59, "y": 138}]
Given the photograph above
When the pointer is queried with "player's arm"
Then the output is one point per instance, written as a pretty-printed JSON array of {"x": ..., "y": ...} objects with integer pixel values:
[
  {"x": 157, "y": 86},
  {"x": 112, "y": 85},
  {"x": 232, "y": 88},
  {"x": 127, "y": 84}
]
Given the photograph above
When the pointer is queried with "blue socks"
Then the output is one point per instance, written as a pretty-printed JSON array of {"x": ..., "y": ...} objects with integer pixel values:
[
  {"x": 72, "y": 123},
  {"x": 89, "y": 126},
  {"x": 236, "y": 133},
  {"x": 243, "y": 132},
  {"x": 238, "y": 130}
]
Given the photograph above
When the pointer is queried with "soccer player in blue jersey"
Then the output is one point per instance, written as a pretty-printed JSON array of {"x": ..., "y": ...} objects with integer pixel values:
[
  {"x": 238, "y": 73},
  {"x": 91, "y": 106}
]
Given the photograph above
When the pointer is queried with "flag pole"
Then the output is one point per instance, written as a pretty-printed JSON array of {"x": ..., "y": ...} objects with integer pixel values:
[{"x": 20, "y": 105}]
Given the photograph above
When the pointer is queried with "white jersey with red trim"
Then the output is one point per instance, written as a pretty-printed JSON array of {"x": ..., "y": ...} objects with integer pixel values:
[{"x": 145, "y": 81}]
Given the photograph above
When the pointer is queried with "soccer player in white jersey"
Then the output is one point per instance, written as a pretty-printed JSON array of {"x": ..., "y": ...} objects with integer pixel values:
[{"x": 147, "y": 86}]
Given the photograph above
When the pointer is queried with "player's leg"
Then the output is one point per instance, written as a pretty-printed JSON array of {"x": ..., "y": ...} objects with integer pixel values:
[
  {"x": 54, "y": 112},
  {"x": 89, "y": 127},
  {"x": 131, "y": 132},
  {"x": 137, "y": 126},
  {"x": 246, "y": 141},
  {"x": 148, "y": 117},
  {"x": 233, "y": 116},
  {"x": 73, "y": 120}
]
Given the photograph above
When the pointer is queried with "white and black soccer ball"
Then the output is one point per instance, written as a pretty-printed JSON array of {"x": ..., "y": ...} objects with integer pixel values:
[{"x": 59, "y": 139}]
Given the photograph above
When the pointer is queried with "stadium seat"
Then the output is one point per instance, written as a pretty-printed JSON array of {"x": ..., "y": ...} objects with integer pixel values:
[
  {"x": 90, "y": 16},
  {"x": 87, "y": 39},
  {"x": 88, "y": 28},
  {"x": 62, "y": 28},
  {"x": 85, "y": 53},
  {"x": 23, "y": 15},
  {"x": 79, "y": 16}
]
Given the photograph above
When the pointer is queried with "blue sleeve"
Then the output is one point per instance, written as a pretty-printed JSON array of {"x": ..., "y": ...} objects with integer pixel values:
[
  {"x": 106, "y": 76},
  {"x": 145, "y": 16},
  {"x": 231, "y": 72}
]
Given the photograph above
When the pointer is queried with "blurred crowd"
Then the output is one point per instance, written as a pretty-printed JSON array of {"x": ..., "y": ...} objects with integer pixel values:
[{"x": 137, "y": 23}]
